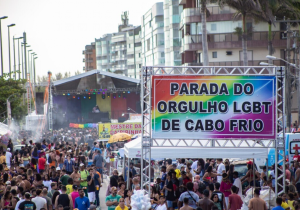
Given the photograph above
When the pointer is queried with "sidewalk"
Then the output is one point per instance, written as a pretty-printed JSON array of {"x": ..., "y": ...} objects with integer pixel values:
[{"x": 103, "y": 194}]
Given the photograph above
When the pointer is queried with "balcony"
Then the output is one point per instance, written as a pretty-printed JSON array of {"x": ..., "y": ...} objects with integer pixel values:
[
  {"x": 230, "y": 41},
  {"x": 83, "y": 52},
  {"x": 193, "y": 15},
  {"x": 120, "y": 38}
]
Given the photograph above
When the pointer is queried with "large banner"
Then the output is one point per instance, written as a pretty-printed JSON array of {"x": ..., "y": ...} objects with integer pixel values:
[
  {"x": 108, "y": 129},
  {"x": 211, "y": 107}
]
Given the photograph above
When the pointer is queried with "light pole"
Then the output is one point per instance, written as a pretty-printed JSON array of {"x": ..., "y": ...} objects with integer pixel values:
[
  {"x": 34, "y": 72},
  {"x": 19, "y": 64},
  {"x": 1, "y": 18},
  {"x": 28, "y": 64},
  {"x": 11, "y": 25}
]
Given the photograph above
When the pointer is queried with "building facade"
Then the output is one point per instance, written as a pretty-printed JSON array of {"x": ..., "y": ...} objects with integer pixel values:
[
  {"x": 172, "y": 11},
  {"x": 120, "y": 52},
  {"x": 89, "y": 57},
  {"x": 153, "y": 41},
  {"x": 224, "y": 45}
]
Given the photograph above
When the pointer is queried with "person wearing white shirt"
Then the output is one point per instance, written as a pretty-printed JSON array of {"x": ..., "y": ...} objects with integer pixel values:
[
  {"x": 20, "y": 201},
  {"x": 194, "y": 165},
  {"x": 39, "y": 201},
  {"x": 8, "y": 157},
  {"x": 237, "y": 182},
  {"x": 162, "y": 204},
  {"x": 221, "y": 169}
]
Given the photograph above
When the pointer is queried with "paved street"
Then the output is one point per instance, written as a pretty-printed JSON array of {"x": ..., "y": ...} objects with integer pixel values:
[{"x": 103, "y": 194}]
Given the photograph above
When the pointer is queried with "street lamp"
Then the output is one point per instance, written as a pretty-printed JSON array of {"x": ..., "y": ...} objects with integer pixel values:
[
  {"x": 265, "y": 64},
  {"x": 129, "y": 109},
  {"x": 1, "y": 18},
  {"x": 34, "y": 69},
  {"x": 28, "y": 64},
  {"x": 19, "y": 64},
  {"x": 11, "y": 25}
]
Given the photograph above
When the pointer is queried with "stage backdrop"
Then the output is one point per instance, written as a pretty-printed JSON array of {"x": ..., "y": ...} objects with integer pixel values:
[{"x": 104, "y": 104}]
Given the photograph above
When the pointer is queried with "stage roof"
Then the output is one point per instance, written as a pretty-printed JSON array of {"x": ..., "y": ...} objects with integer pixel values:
[{"x": 95, "y": 79}]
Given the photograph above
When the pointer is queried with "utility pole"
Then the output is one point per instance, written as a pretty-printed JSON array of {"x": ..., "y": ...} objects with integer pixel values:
[{"x": 288, "y": 79}]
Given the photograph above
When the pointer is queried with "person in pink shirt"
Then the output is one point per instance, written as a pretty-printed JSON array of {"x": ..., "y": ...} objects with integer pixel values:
[
  {"x": 287, "y": 172},
  {"x": 74, "y": 194},
  {"x": 226, "y": 187}
]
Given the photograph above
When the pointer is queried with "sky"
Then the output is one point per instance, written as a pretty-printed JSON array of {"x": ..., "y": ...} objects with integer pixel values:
[{"x": 58, "y": 30}]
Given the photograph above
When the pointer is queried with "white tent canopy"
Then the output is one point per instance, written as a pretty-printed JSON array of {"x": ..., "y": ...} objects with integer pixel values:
[{"x": 133, "y": 149}]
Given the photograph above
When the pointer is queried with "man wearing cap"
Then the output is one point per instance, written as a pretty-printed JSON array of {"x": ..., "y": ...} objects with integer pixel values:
[
  {"x": 76, "y": 176},
  {"x": 83, "y": 182},
  {"x": 8, "y": 156}
]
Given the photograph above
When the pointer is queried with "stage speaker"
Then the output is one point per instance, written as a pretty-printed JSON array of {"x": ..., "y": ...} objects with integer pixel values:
[
  {"x": 138, "y": 107},
  {"x": 39, "y": 101}
]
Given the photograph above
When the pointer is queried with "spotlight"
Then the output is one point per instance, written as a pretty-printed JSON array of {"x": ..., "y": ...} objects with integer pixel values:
[
  {"x": 119, "y": 95},
  {"x": 89, "y": 93},
  {"x": 84, "y": 97},
  {"x": 91, "y": 90},
  {"x": 95, "y": 89},
  {"x": 74, "y": 97},
  {"x": 105, "y": 89},
  {"x": 103, "y": 96},
  {"x": 78, "y": 97},
  {"x": 86, "y": 90},
  {"x": 68, "y": 94},
  {"x": 94, "y": 93},
  {"x": 123, "y": 91},
  {"x": 128, "y": 92},
  {"x": 108, "y": 95},
  {"x": 103, "y": 93},
  {"x": 89, "y": 97},
  {"x": 98, "y": 92},
  {"x": 64, "y": 94},
  {"x": 114, "y": 95},
  {"x": 124, "y": 95}
]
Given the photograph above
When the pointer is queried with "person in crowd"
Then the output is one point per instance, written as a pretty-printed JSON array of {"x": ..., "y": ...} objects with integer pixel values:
[
  {"x": 63, "y": 199},
  {"x": 278, "y": 203},
  {"x": 39, "y": 201},
  {"x": 217, "y": 202},
  {"x": 162, "y": 203},
  {"x": 237, "y": 182},
  {"x": 69, "y": 165},
  {"x": 170, "y": 197},
  {"x": 206, "y": 203},
  {"x": 81, "y": 202},
  {"x": 226, "y": 187},
  {"x": 91, "y": 189},
  {"x": 209, "y": 174},
  {"x": 186, "y": 205},
  {"x": 121, "y": 205},
  {"x": 74, "y": 194},
  {"x": 235, "y": 202},
  {"x": 27, "y": 204},
  {"x": 256, "y": 203},
  {"x": 193, "y": 197},
  {"x": 221, "y": 169},
  {"x": 112, "y": 201},
  {"x": 49, "y": 201}
]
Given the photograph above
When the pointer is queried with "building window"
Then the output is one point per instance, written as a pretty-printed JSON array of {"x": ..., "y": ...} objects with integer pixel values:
[
  {"x": 213, "y": 27},
  {"x": 214, "y": 54},
  {"x": 149, "y": 24},
  {"x": 148, "y": 44},
  {"x": 140, "y": 65},
  {"x": 162, "y": 54},
  {"x": 139, "y": 55},
  {"x": 128, "y": 45}
]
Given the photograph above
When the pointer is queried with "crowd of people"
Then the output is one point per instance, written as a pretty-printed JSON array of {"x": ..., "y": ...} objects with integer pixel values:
[{"x": 65, "y": 171}]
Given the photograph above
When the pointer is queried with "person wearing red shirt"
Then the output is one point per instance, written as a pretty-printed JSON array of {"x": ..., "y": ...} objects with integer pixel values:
[
  {"x": 42, "y": 164},
  {"x": 235, "y": 202},
  {"x": 296, "y": 156}
]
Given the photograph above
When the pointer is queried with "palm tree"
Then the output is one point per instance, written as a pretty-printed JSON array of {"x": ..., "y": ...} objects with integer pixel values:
[
  {"x": 204, "y": 33},
  {"x": 244, "y": 9}
]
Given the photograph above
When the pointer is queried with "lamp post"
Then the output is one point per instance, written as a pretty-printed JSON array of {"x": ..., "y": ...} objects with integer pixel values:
[
  {"x": 1, "y": 18},
  {"x": 19, "y": 64},
  {"x": 34, "y": 72},
  {"x": 28, "y": 64},
  {"x": 11, "y": 25}
]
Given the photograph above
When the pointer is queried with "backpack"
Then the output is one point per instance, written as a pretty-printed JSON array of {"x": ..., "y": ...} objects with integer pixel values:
[
  {"x": 91, "y": 155},
  {"x": 49, "y": 159}
]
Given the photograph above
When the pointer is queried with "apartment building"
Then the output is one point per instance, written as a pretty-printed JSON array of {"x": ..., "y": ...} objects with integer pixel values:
[
  {"x": 152, "y": 36},
  {"x": 120, "y": 52},
  {"x": 172, "y": 11},
  {"x": 89, "y": 57},
  {"x": 224, "y": 45}
]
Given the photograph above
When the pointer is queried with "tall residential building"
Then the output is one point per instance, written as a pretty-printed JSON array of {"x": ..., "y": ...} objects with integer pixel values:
[
  {"x": 172, "y": 11},
  {"x": 89, "y": 57},
  {"x": 224, "y": 45},
  {"x": 153, "y": 49},
  {"x": 103, "y": 52},
  {"x": 120, "y": 52}
]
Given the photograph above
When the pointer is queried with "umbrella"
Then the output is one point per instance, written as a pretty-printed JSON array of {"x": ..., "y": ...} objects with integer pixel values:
[{"x": 119, "y": 137}]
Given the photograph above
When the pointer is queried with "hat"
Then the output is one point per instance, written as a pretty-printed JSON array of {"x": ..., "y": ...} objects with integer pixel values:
[
  {"x": 58, "y": 168},
  {"x": 81, "y": 164},
  {"x": 7, "y": 183},
  {"x": 249, "y": 162},
  {"x": 8, "y": 149}
]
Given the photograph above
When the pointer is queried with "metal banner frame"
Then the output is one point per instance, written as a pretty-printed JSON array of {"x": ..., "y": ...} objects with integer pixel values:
[{"x": 147, "y": 141}]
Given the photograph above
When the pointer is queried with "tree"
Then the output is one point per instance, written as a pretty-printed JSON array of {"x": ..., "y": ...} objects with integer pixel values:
[
  {"x": 13, "y": 89},
  {"x": 77, "y": 72},
  {"x": 244, "y": 9},
  {"x": 58, "y": 76},
  {"x": 204, "y": 33}
]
